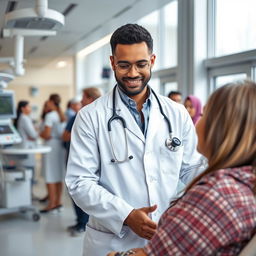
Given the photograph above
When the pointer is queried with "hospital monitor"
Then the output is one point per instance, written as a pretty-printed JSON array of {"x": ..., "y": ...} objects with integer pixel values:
[
  {"x": 7, "y": 105},
  {"x": 8, "y": 133}
]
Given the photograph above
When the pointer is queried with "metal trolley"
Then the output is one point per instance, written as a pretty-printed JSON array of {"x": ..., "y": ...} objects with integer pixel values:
[{"x": 16, "y": 182}]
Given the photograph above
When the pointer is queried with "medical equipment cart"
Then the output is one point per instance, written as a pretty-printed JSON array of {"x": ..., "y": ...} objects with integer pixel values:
[{"x": 15, "y": 183}]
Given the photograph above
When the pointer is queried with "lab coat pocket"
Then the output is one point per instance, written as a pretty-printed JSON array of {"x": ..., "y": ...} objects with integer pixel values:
[
  {"x": 97, "y": 239},
  {"x": 99, "y": 243},
  {"x": 170, "y": 161}
]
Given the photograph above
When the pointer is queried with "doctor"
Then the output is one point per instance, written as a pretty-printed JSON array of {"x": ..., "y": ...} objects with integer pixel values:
[{"x": 124, "y": 178}]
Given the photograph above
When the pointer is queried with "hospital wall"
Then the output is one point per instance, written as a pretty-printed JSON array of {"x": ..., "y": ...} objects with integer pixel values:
[{"x": 39, "y": 82}]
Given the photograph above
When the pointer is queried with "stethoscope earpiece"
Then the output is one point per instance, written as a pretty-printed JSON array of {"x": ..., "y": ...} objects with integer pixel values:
[{"x": 114, "y": 161}]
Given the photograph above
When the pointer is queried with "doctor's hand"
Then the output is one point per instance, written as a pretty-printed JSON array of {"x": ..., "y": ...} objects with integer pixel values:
[{"x": 140, "y": 223}]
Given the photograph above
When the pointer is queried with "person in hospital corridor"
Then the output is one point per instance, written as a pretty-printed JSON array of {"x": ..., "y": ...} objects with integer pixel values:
[{"x": 129, "y": 149}]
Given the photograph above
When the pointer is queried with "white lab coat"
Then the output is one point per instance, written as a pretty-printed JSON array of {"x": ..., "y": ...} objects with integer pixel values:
[
  {"x": 108, "y": 191},
  {"x": 27, "y": 132}
]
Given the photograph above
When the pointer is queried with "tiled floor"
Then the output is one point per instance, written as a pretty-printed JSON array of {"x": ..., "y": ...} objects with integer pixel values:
[{"x": 21, "y": 236}]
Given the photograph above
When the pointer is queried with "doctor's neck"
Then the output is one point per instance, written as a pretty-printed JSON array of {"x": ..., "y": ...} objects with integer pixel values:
[{"x": 139, "y": 97}]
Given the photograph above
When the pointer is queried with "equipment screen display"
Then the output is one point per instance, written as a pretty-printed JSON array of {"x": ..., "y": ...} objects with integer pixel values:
[
  {"x": 6, "y": 105},
  {"x": 5, "y": 129}
]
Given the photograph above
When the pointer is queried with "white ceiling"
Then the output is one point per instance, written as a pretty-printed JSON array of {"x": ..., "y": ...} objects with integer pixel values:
[{"x": 80, "y": 23}]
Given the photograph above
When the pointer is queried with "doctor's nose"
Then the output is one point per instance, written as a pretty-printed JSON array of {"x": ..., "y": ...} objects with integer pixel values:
[{"x": 133, "y": 72}]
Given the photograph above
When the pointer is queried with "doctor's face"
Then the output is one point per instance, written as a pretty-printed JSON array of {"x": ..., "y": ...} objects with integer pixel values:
[{"x": 132, "y": 67}]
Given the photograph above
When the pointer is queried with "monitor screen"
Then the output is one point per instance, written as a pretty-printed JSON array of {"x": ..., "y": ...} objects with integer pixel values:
[
  {"x": 5, "y": 129},
  {"x": 7, "y": 105}
]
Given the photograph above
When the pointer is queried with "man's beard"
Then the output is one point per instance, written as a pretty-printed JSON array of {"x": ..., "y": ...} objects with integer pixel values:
[{"x": 122, "y": 86}]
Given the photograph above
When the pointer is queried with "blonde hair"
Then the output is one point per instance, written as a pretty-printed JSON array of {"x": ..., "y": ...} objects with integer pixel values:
[{"x": 230, "y": 127}]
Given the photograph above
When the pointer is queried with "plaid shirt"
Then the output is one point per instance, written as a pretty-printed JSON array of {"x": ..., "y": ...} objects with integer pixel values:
[{"x": 216, "y": 217}]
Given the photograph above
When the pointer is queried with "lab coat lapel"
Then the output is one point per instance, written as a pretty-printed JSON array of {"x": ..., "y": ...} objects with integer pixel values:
[
  {"x": 124, "y": 112},
  {"x": 155, "y": 120}
]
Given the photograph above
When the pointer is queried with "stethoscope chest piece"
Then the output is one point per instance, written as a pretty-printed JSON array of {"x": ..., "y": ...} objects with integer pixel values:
[{"x": 173, "y": 143}]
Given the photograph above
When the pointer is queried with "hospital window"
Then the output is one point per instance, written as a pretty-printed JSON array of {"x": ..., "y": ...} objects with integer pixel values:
[
  {"x": 169, "y": 86},
  {"x": 234, "y": 26},
  {"x": 222, "y": 80},
  {"x": 232, "y": 42},
  {"x": 170, "y": 14},
  {"x": 162, "y": 24},
  {"x": 150, "y": 22}
]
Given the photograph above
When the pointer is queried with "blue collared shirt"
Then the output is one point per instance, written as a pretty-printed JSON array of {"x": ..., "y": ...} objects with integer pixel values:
[{"x": 132, "y": 106}]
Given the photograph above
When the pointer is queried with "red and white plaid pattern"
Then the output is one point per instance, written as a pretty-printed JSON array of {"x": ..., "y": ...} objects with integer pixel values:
[{"x": 216, "y": 217}]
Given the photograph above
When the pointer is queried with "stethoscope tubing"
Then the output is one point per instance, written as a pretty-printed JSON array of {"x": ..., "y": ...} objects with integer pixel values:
[{"x": 115, "y": 116}]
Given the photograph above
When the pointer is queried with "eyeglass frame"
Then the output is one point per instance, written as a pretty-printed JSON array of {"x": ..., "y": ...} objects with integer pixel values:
[{"x": 125, "y": 71}]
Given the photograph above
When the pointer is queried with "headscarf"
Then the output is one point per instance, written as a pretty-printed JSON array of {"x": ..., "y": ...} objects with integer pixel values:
[{"x": 196, "y": 103}]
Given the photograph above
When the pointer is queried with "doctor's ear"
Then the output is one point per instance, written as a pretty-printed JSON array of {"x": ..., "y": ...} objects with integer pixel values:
[
  {"x": 152, "y": 59},
  {"x": 112, "y": 62}
]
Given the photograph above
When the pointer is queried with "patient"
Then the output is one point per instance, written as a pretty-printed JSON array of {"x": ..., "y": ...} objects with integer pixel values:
[{"x": 217, "y": 213}]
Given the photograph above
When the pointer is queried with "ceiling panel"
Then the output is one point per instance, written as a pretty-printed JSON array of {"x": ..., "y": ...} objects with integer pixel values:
[{"x": 79, "y": 23}]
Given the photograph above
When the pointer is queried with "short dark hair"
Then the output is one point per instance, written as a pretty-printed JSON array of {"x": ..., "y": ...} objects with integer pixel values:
[
  {"x": 55, "y": 98},
  {"x": 171, "y": 93},
  {"x": 131, "y": 34}
]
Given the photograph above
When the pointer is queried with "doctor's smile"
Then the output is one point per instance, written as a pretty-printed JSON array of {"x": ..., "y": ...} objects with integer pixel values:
[{"x": 133, "y": 82}]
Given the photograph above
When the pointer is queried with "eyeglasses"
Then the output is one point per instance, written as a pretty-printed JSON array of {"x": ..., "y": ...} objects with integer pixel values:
[{"x": 125, "y": 67}]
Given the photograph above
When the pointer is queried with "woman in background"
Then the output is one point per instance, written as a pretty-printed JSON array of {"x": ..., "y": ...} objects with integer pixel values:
[
  {"x": 217, "y": 213},
  {"x": 41, "y": 128},
  {"x": 54, "y": 162},
  {"x": 27, "y": 131},
  {"x": 194, "y": 107}
]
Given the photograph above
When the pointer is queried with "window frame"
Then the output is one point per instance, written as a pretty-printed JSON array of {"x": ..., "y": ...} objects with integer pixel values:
[{"x": 237, "y": 63}]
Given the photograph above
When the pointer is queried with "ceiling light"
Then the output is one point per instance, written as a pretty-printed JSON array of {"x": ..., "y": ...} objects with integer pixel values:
[
  {"x": 61, "y": 64},
  {"x": 94, "y": 46}
]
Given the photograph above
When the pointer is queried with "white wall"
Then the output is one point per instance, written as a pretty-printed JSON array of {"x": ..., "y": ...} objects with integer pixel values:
[{"x": 46, "y": 80}]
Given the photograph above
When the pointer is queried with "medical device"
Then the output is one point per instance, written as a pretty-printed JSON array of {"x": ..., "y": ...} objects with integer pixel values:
[
  {"x": 5, "y": 75},
  {"x": 15, "y": 179},
  {"x": 7, "y": 106},
  {"x": 8, "y": 133},
  {"x": 172, "y": 143},
  {"x": 38, "y": 18},
  {"x": 38, "y": 21}
]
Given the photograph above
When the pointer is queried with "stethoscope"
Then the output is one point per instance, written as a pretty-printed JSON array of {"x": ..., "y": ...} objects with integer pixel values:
[{"x": 172, "y": 143}]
